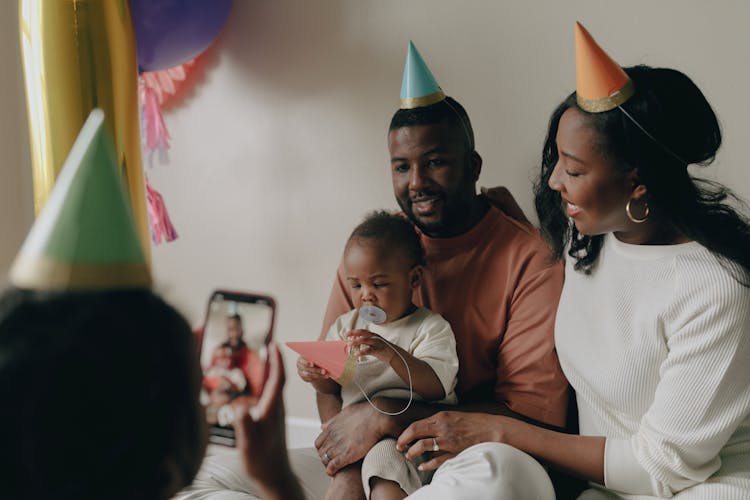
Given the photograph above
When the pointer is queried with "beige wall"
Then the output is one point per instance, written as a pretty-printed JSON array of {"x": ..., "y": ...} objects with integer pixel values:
[{"x": 280, "y": 149}]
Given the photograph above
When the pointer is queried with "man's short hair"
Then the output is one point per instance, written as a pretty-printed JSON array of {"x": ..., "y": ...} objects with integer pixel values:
[{"x": 448, "y": 110}]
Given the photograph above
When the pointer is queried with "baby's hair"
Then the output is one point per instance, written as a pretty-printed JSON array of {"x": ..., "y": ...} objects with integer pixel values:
[{"x": 390, "y": 232}]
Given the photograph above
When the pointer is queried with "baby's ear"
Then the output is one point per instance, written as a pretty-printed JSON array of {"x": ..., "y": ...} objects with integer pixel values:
[{"x": 415, "y": 276}]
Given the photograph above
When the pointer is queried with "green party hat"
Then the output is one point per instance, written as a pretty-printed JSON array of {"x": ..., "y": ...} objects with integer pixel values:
[
  {"x": 86, "y": 237},
  {"x": 418, "y": 87}
]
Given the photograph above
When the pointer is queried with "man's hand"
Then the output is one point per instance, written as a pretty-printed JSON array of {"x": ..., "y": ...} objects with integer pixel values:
[
  {"x": 500, "y": 197},
  {"x": 348, "y": 436}
]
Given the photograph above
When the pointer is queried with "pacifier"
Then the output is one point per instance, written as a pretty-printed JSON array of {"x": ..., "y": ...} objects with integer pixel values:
[{"x": 372, "y": 314}]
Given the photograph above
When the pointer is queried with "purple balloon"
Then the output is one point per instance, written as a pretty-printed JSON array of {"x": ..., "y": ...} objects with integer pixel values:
[{"x": 171, "y": 32}]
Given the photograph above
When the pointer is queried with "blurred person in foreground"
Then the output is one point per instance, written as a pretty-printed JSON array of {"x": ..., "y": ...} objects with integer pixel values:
[{"x": 99, "y": 377}]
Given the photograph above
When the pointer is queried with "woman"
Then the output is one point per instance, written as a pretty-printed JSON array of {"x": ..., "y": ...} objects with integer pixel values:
[{"x": 653, "y": 327}]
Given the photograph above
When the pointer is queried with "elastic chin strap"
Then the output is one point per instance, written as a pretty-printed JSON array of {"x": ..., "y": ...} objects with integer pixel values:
[
  {"x": 464, "y": 126},
  {"x": 652, "y": 138}
]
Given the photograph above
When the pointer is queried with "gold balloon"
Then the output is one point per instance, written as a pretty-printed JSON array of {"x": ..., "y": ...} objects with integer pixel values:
[{"x": 79, "y": 55}]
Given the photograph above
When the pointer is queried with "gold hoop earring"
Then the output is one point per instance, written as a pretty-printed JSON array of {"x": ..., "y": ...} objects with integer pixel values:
[{"x": 646, "y": 211}]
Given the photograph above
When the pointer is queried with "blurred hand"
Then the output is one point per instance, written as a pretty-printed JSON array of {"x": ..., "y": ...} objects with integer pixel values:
[{"x": 260, "y": 430}]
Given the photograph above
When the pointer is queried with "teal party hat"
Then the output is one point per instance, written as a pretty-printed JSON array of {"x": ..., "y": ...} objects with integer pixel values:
[{"x": 418, "y": 87}]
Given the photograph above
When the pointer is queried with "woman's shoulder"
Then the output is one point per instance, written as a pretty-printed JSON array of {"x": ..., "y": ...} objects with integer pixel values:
[
  {"x": 703, "y": 268},
  {"x": 709, "y": 282}
]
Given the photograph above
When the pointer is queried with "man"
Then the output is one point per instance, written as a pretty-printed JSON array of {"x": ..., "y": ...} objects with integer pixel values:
[
  {"x": 235, "y": 331},
  {"x": 486, "y": 273},
  {"x": 228, "y": 374}
]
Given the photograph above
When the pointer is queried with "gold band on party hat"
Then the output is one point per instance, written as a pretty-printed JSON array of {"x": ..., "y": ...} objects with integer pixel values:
[
  {"x": 603, "y": 104},
  {"x": 43, "y": 273},
  {"x": 418, "y": 102}
]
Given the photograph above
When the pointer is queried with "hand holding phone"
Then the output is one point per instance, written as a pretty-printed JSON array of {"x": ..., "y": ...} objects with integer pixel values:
[
  {"x": 261, "y": 436},
  {"x": 236, "y": 333}
]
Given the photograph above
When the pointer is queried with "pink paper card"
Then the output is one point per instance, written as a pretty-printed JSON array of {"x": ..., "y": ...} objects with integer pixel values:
[{"x": 331, "y": 355}]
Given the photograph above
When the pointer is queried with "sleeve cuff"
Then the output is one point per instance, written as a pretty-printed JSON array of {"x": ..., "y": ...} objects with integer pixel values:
[
  {"x": 622, "y": 472},
  {"x": 446, "y": 373}
]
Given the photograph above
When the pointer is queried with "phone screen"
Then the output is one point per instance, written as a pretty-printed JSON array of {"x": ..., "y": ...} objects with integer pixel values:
[{"x": 237, "y": 330}]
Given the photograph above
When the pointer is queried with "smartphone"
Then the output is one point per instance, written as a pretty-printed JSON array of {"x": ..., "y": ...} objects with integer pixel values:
[{"x": 233, "y": 355}]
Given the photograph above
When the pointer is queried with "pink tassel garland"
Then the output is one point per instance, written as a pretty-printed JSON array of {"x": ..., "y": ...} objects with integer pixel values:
[
  {"x": 158, "y": 217},
  {"x": 154, "y": 90},
  {"x": 155, "y": 130}
]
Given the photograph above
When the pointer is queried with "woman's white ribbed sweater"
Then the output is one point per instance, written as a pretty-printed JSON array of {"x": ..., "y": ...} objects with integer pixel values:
[{"x": 656, "y": 344}]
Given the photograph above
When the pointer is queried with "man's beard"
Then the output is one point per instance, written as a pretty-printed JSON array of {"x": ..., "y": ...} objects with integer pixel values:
[{"x": 452, "y": 211}]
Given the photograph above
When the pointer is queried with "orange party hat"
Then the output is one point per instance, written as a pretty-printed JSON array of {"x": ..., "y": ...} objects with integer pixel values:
[
  {"x": 331, "y": 355},
  {"x": 601, "y": 84}
]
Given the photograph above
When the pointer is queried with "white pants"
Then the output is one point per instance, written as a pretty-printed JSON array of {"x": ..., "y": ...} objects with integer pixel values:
[
  {"x": 483, "y": 471},
  {"x": 492, "y": 471}
]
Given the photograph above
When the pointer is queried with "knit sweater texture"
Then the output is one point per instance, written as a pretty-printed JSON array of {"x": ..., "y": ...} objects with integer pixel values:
[{"x": 656, "y": 343}]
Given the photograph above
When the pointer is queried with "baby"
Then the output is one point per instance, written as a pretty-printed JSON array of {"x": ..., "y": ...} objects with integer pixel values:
[{"x": 383, "y": 261}]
